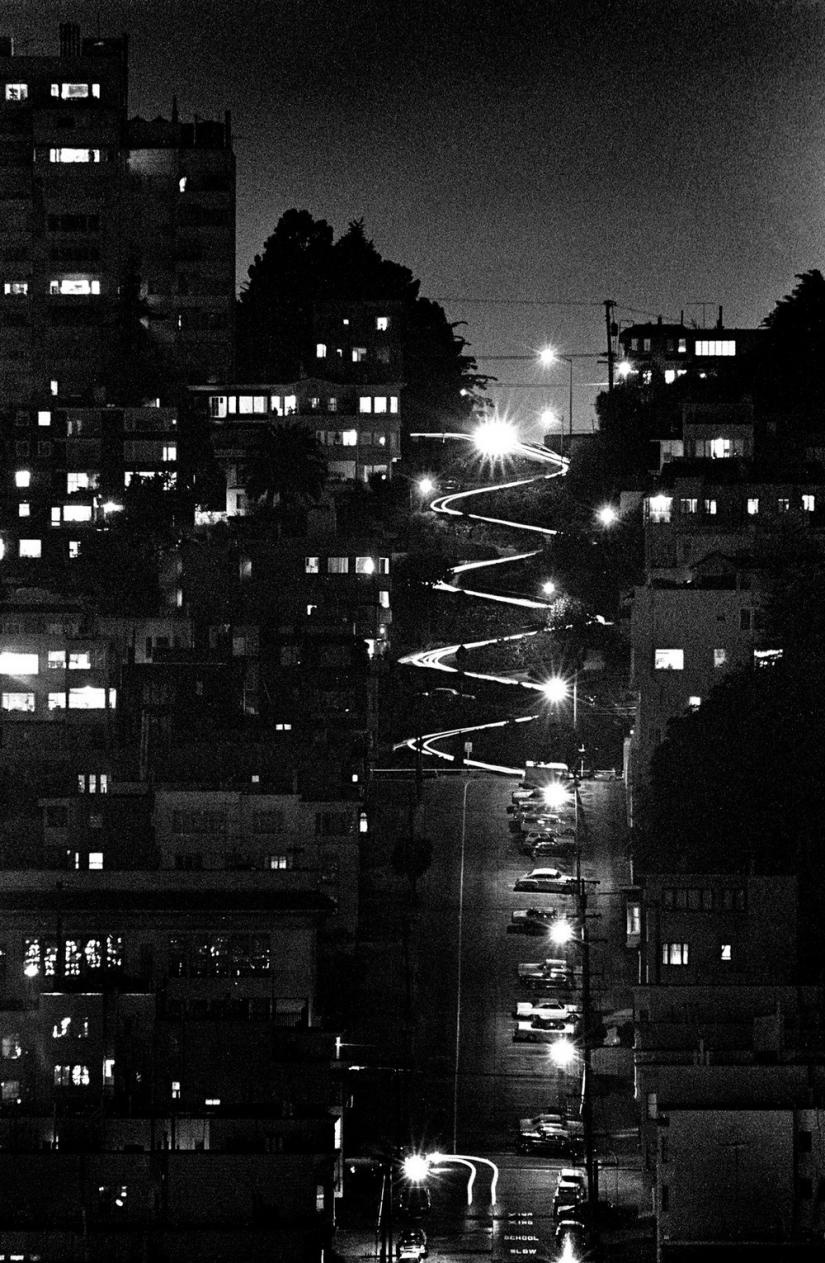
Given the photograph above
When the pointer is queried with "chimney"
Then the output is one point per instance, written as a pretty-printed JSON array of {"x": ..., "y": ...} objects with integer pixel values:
[
  {"x": 69, "y": 39},
  {"x": 227, "y": 129},
  {"x": 719, "y": 321},
  {"x": 174, "y": 109},
  {"x": 6, "y": 46},
  {"x": 682, "y": 316}
]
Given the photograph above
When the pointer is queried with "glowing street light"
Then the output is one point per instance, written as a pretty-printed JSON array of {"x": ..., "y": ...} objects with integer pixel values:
[
  {"x": 495, "y": 438},
  {"x": 561, "y": 931},
  {"x": 555, "y": 690},
  {"x": 562, "y": 1052},
  {"x": 625, "y": 368},
  {"x": 548, "y": 588},
  {"x": 417, "y": 1167},
  {"x": 556, "y": 795},
  {"x": 607, "y": 515},
  {"x": 425, "y": 486},
  {"x": 549, "y": 356}
]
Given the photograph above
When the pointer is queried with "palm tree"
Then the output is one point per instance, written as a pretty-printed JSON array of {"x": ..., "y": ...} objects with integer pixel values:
[{"x": 288, "y": 466}]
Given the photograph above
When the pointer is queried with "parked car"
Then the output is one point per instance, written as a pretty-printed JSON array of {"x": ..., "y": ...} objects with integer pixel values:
[
  {"x": 526, "y": 793},
  {"x": 552, "y": 1141},
  {"x": 523, "y": 923},
  {"x": 526, "y": 1010},
  {"x": 571, "y": 1180},
  {"x": 412, "y": 1245},
  {"x": 571, "y": 1238},
  {"x": 551, "y": 880},
  {"x": 539, "y": 968},
  {"x": 541, "y": 1032},
  {"x": 547, "y": 846},
  {"x": 547, "y": 984},
  {"x": 414, "y": 1200}
]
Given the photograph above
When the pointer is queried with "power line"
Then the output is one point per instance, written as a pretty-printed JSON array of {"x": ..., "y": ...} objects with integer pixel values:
[{"x": 523, "y": 302}]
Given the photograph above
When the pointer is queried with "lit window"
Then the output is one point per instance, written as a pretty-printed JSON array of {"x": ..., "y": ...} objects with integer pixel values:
[
  {"x": 170, "y": 452},
  {"x": 12, "y": 1048},
  {"x": 365, "y": 403},
  {"x": 87, "y": 698},
  {"x": 383, "y": 565},
  {"x": 766, "y": 657},
  {"x": 311, "y": 610},
  {"x": 726, "y": 951},
  {"x": 359, "y": 354},
  {"x": 670, "y": 375},
  {"x": 694, "y": 703},
  {"x": 24, "y": 510},
  {"x": 783, "y": 504},
  {"x": 337, "y": 565},
  {"x": 720, "y": 657},
  {"x": 332, "y": 404},
  {"x": 18, "y": 701},
  {"x": 710, "y": 507},
  {"x": 384, "y": 599},
  {"x": 382, "y": 323},
  {"x": 77, "y": 513},
  {"x": 74, "y": 548},
  {"x": 674, "y": 953},
  {"x": 78, "y": 482},
  {"x": 363, "y": 822},
  {"x": 321, "y": 351},
  {"x": 659, "y": 508},
  {"x": 23, "y": 478},
  {"x": 393, "y": 403},
  {"x": 753, "y": 505},
  {"x": 290, "y": 404},
  {"x": 176, "y": 1089},
  {"x": 217, "y": 405},
  {"x": 18, "y": 663},
  {"x": 283, "y": 727},
  {"x": 808, "y": 504},
  {"x": 95, "y": 860},
  {"x": 57, "y": 701},
  {"x": 311, "y": 565},
  {"x": 365, "y": 565},
  {"x": 17, "y": 91},
  {"x": 349, "y": 438},
  {"x": 379, "y": 403},
  {"x": 78, "y": 287},
  {"x": 245, "y": 568},
  {"x": 74, "y": 155},
  {"x": 17, "y": 288},
  {"x": 716, "y": 346},
  {"x": 80, "y": 661},
  {"x": 109, "y": 1082},
  {"x": 669, "y": 659},
  {"x": 688, "y": 505},
  {"x": 30, "y": 547}
]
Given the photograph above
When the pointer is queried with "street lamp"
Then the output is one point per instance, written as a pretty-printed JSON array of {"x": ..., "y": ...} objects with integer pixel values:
[
  {"x": 607, "y": 515},
  {"x": 495, "y": 438},
  {"x": 557, "y": 689},
  {"x": 425, "y": 486},
  {"x": 548, "y": 588},
  {"x": 562, "y": 1052},
  {"x": 547, "y": 357}
]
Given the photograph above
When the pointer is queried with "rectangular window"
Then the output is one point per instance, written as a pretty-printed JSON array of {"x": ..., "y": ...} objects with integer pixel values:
[
  {"x": 169, "y": 452},
  {"x": 393, "y": 403},
  {"x": 733, "y": 899},
  {"x": 633, "y": 920},
  {"x": 753, "y": 505},
  {"x": 720, "y": 657},
  {"x": 31, "y": 548},
  {"x": 80, "y": 482},
  {"x": 365, "y": 403},
  {"x": 24, "y": 509},
  {"x": 22, "y": 478},
  {"x": 10, "y": 1091},
  {"x": 217, "y": 406},
  {"x": 725, "y": 951},
  {"x": 674, "y": 953},
  {"x": 359, "y": 354},
  {"x": 716, "y": 346},
  {"x": 77, "y": 513},
  {"x": 290, "y": 405},
  {"x": 365, "y": 565},
  {"x": 283, "y": 860},
  {"x": 384, "y": 599},
  {"x": 337, "y": 565},
  {"x": 88, "y": 698},
  {"x": 18, "y": 663},
  {"x": 320, "y": 350},
  {"x": 311, "y": 565},
  {"x": 379, "y": 403},
  {"x": 808, "y": 504},
  {"x": 17, "y": 91},
  {"x": 659, "y": 508},
  {"x": 57, "y": 701},
  {"x": 17, "y": 288},
  {"x": 382, "y": 323},
  {"x": 688, "y": 506},
  {"x": 710, "y": 508},
  {"x": 783, "y": 504},
  {"x": 332, "y": 404},
  {"x": 349, "y": 438},
  {"x": 11, "y": 1047},
  {"x": 668, "y": 659},
  {"x": 74, "y": 155},
  {"x": 383, "y": 565}
]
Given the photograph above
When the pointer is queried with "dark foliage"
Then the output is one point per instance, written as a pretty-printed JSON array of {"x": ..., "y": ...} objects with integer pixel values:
[
  {"x": 788, "y": 374},
  {"x": 288, "y": 466},
  {"x": 300, "y": 265}
]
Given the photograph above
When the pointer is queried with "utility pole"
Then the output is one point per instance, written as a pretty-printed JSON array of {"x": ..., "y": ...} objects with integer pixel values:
[
  {"x": 590, "y": 1162},
  {"x": 609, "y": 304}
]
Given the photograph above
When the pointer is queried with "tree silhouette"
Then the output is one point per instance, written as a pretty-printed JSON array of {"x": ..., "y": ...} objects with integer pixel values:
[
  {"x": 288, "y": 465},
  {"x": 788, "y": 372},
  {"x": 300, "y": 266}
]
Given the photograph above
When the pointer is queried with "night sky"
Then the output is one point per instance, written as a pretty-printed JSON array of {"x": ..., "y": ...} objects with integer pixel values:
[{"x": 658, "y": 152}]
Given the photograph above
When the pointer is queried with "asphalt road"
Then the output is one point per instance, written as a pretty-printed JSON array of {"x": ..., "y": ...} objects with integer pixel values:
[{"x": 472, "y": 1083}]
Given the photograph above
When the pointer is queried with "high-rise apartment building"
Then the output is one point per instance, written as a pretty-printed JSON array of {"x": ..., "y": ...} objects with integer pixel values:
[{"x": 117, "y": 265}]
